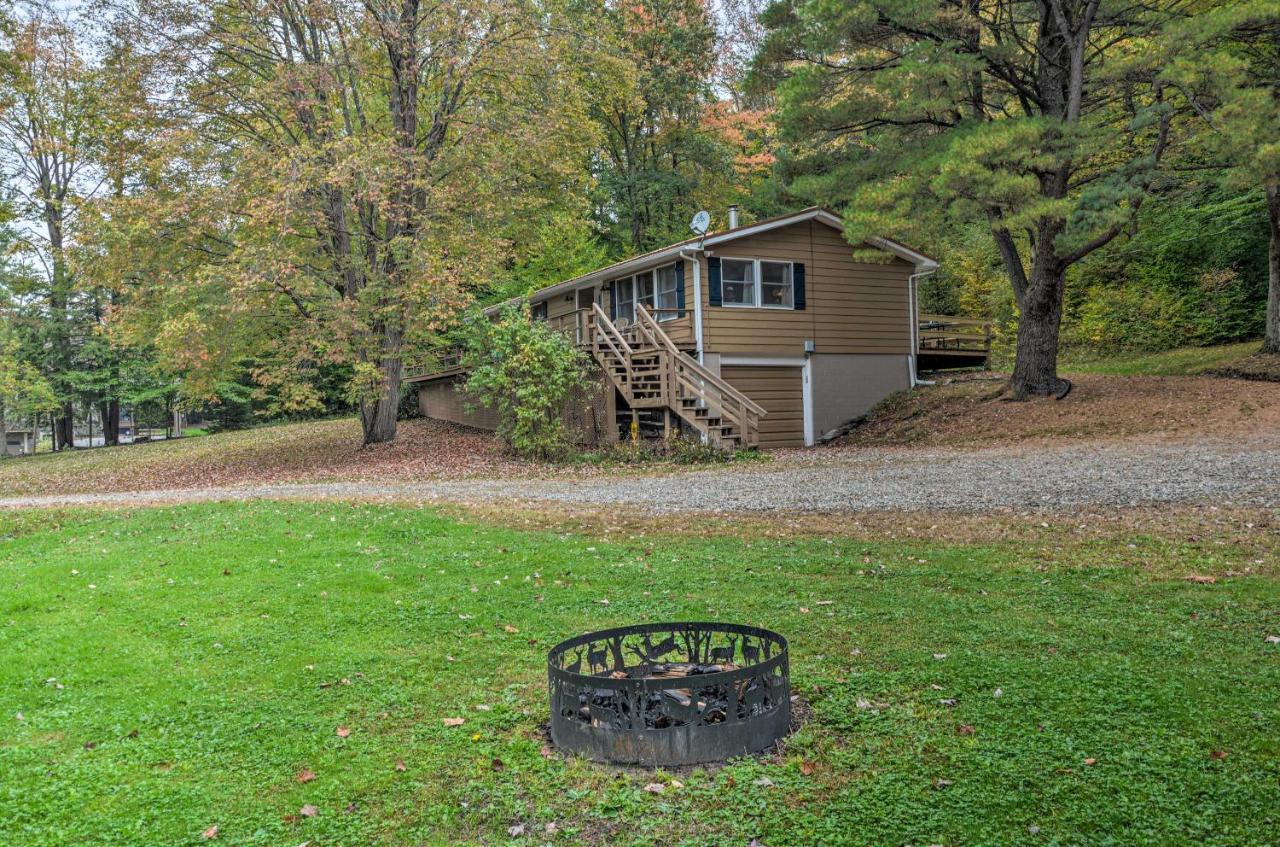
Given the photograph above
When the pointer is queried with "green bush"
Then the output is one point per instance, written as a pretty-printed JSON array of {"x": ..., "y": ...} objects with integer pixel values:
[
  {"x": 680, "y": 450},
  {"x": 526, "y": 372}
]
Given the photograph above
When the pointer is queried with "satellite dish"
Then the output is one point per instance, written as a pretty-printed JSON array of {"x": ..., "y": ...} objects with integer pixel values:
[{"x": 700, "y": 222}]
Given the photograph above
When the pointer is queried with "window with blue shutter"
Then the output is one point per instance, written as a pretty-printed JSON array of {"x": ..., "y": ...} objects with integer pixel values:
[
  {"x": 714, "y": 293},
  {"x": 797, "y": 278}
]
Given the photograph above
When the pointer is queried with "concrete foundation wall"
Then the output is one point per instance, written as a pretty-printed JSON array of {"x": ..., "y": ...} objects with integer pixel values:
[
  {"x": 847, "y": 386},
  {"x": 585, "y": 416}
]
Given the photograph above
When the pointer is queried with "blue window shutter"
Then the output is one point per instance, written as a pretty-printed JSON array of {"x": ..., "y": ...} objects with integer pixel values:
[
  {"x": 715, "y": 293},
  {"x": 680, "y": 288},
  {"x": 797, "y": 277}
]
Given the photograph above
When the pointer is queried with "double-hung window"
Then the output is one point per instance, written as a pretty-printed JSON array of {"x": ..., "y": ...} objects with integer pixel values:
[
  {"x": 757, "y": 283},
  {"x": 668, "y": 288},
  {"x": 624, "y": 293},
  {"x": 656, "y": 290}
]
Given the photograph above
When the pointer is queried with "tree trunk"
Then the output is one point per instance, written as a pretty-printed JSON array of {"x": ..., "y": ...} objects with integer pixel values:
[
  {"x": 1035, "y": 372},
  {"x": 110, "y": 411},
  {"x": 64, "y": 428},
  {"x": 378, "y": 419},
  {"x": 1271, "y": 344}
]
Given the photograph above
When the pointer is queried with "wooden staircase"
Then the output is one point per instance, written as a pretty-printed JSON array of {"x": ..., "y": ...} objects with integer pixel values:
[{"x": 651, "y": 372}]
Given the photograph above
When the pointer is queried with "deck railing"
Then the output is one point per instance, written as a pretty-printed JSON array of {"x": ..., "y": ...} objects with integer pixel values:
[
  {"x": 945, "y": 334},
  {"x": 447, "y": 360}
]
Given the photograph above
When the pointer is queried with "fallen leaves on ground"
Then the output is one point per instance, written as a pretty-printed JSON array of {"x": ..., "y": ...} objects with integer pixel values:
[
  {"x": 1201, "y": 579},
  {"x": 308, "y": 811},
  {"x": 305, "y": 775},
  {"x": 210, "y": 833},
  {"x": 313, "y": 451},
  {"x": 343, "y": 732},
  {"x": 453, "y": 721}
]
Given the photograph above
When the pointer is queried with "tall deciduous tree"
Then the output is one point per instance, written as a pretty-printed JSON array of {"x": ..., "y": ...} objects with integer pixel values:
[
  {"x": 657, "y": 165},
  {"x": 349, "y": 171},
  {"x": 1048, "y": 119},
  {"x": 48, "y": 132}
]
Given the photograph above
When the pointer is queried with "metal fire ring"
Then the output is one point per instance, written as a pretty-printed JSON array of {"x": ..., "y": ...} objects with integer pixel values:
[{"x": 669, "y": 693}]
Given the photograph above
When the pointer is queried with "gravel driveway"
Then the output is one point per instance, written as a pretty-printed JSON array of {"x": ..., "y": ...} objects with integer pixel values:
[{"x": 1221, "y": 472}]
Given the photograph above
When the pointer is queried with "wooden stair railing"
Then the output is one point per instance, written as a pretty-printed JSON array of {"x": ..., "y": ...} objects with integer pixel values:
[{"x": 651, "y": 372}]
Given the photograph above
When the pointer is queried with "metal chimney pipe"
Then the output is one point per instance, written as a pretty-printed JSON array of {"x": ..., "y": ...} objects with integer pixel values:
[{"x": 733, "y": 216}]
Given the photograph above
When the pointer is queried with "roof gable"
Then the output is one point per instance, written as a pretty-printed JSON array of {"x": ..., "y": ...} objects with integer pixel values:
[{"x": 715, "y": 239}]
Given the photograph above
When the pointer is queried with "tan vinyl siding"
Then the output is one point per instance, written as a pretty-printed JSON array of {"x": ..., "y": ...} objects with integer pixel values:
[
  {"x": 442, "y": 399},
  {"x": 781, "y": 392},
  {"x": 851, "y": 307}
]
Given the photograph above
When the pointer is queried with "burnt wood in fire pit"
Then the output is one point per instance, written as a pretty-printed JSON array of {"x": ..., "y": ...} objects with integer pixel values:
[{"x": 669, "y": 693}]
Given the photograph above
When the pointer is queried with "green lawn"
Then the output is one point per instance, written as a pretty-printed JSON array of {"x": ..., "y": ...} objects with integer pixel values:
[
  {"x": 1184, "y": 361},
  {"x": 174, "y": 669}
]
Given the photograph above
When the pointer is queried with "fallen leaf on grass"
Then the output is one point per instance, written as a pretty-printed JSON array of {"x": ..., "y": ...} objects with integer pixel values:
[
  {"x": 655, "y": 788},
  {"x": 305, "y": 775},
  {"x": 343, "y": 732},
  {"x": 764, "y": 782},
  {"x": 551, "y": 828},
  {"x": 1218, "y": 755},
  {"x": 454, "y": 721},
  {"x": 308, "y": 811},
  {"x": 516, "y": 831},
  {"x": 211, "y": 832},
  {"x": 509, "y": 628},
  {"x": 497, "y": 764},
  {"x": 1091, "y": 762},
  {"x": 1200, "y": 579},
  {"x": 804, "y": 610},
  {"x": 807, "y": 768},
  {"x": 1273, "y": 639},
  {"x": 965, "y": 729},
  {"x": 401, "y": 766}
]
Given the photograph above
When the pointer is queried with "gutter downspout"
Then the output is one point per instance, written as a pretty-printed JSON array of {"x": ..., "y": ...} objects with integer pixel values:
[
  {"x": 697, "y": 299},
  {"x": 912, "y": 282}
]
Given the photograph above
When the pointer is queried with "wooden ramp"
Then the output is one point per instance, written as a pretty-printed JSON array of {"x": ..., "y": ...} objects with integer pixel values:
[{"x": 949, "y": 342}]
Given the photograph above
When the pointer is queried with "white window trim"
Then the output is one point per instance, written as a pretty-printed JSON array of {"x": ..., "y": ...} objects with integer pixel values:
[
  {"x": 756, "y": 284},
  {"x": 635, "y": 292}
]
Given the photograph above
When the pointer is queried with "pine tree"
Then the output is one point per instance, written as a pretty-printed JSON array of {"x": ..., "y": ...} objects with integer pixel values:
[{"x": 1047, "y": 119}]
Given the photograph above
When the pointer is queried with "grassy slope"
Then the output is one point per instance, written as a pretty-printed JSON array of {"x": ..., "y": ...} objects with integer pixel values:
[
  {"x": 1184, "y": 361},
  {"x": 225, "y": 636}
]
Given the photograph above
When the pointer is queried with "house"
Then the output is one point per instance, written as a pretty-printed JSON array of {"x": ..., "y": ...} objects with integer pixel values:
[
  {"x": 771, "y": 334},
  {"x": 19, "y": 442}
]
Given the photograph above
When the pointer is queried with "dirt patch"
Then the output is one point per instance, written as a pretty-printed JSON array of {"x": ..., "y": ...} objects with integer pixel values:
[
  {"x": 968, "y": 411},
  {"x": 1261, "y": 367}
]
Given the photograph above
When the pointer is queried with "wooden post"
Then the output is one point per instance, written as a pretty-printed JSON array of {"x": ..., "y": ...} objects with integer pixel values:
[
  {"x": 635, "y": 426},
  {"x": 610, "y": 412},
  {"x": 666, "y": 423}
]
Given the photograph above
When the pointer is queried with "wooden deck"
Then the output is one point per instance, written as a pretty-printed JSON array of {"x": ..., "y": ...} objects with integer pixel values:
[{"x": 949, "y": 342}]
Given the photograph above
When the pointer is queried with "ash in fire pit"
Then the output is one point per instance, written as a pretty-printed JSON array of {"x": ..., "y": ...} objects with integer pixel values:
[{"x": 669, "y": 694}]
